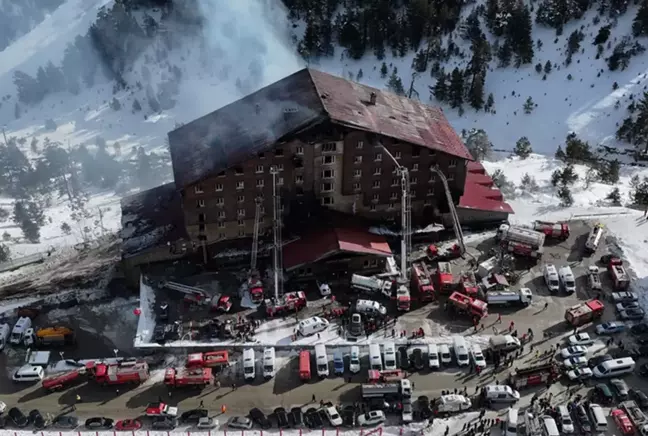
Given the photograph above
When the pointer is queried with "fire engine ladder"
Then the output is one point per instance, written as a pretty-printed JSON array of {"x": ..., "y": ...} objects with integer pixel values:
[
  {"x": 185, "y": 289},
  {"x": 406, "y": 217},
  {"x": 453, "y": 212},
  {"x": 277, "y": 257},
  {"x": 255, "y": 237}
]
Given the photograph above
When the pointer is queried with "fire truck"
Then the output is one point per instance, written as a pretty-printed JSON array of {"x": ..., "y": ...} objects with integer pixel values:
[
  {"x": 371, "y": 285},
  {"x": 60, "y": 381},
  {"x": 551, "y": 230},
  {"x": 182, "y": 377},
  {"x": 130, "y": 371},
  {"x": 290, "y": 302},
  {"x": 444, "y": 279},
  {"x": 464, "y": 304},
  {"x": 521, "y": 241},
  {"x": 222, "y": 303},
  {"x": 403, "y": 298},
  {"x": 617, "y": 271},
  {"x": 584, "y": 312},
  {"x": 533, "y": 376},
  {"x": 468, "y": 284},
  {"x": 255, "y": 286},
  {"x": 211, "y": 359},
  {"x": 422, "y": 281}
]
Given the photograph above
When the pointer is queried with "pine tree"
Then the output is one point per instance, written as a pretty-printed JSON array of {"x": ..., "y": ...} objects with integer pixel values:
[
  {"x": 565, "y": 196},
  {"x": 490, "y": 102},
  {"x": 529, "y": 105},
  {"x": 359, "y": 75},
  {"x": 456, "y": 90},
  {"x": 523, "y": 148},
  {"x": 640, "y": 23},
  {"x": 28, "y": 88},
  {"x": 547, "y": 67},
  {"x": 395, "y": 84},
  {"x": 614, "y": 196},
  {"x": 440, "y": 90},
  {"x": 136, "y": 106},
  {"x": 383, "y": 71},
  {"x": 476, "y": 92}
]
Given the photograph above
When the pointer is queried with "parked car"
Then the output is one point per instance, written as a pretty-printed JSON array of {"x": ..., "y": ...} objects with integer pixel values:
[
  {"x": 348, "y": 416},
  {"x": 240, "y": 422},
  {"x": 375, "y": 417},
  {"x": 165, "y": 422},
  {"x": 3, "y": 407},
  {"x": 610, "y": 328},
  {"x": 632, "y": 314},
  {"x": 260, "y": 418},
  {"x": 624, "y": 297},
  {"x": 98, "y": 422},
  {"x": 128, "y": 425},
  {"x": 579, "y": 374},
  {"x": 639, "y": 329},
  {"x": 18, "y": 418},
  {"x": 620, "y": 388},
  {"x": 194, "y": 415},
  {"x": 416, "y": 359},
  {"x": 207, "y": 423},
  {"x": 582, "y": 419},
  {"x": 356, "y": 327},
  {"x": 37, "y": 419},
  {"x": 424, "y": 409},
  {"x": 407, "y": 414},
  {"x": 574, "y": 351},
  {"x": 296, "y": 417},
  {"x": 282, "y": 417},
  {"x": 403, "y": 358},
  {"x": 312, "y": 418},
  {"x": 66, "y": 421},
  {"x": 627, "y": 305},
  {"x": 580, "y": 339},
  {"x": 333, "y": 416},
  {"x": 640, "y": 397},
  {"x": 575, "y": 362}
]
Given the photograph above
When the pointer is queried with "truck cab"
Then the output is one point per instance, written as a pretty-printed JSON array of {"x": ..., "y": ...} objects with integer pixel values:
[
  {"x": 567, "y": 279},
  {"x": 20, "y": 329}
]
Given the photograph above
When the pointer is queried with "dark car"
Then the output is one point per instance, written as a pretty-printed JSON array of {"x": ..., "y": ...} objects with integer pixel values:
[
  {"x": 165, "y": 422},
  {"x": 582, "y": 420},
  {"x": 260, "y": 419},
  {"x": 296, "y": 417},
  {"x": 93, "y": 423},
  {"x": 417, "y": 359},
  {"x": 194, "y": 415},
  {"x": 18, "y": 418},
  {"x": 356, "y": 326},
  {"x": 423, "y": 411},
  {"x": 634, "y": 313},
  {"x": 377, "y": 404},
  {"x": 348, "y": 415},
  {"x": 602, "y": 394},
  {"x": 640, "y": 398},
  {"x": 66, "y": 421},
  {"x": 37, "y": 419},
  {"x": 597, "y": 360},
  {"x": 639, "y": 329},
  {"x": 313, "y": 419},
  {"x": 323, "y": 416},
  {"x": 403, "y": 359},
  {"x": 282, "y": 417}
]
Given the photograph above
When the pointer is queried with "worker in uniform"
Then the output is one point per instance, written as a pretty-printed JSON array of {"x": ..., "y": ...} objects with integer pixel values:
[{"x": 223, "y": 409}]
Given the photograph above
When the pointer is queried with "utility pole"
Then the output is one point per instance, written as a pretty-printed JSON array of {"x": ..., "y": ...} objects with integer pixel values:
[{"x": 411, "y": 88}]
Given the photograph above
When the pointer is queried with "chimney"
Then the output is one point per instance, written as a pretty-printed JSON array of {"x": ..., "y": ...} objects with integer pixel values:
[
  {"x": 372, "y": 98},
  {"x": 257, "y": 108}
]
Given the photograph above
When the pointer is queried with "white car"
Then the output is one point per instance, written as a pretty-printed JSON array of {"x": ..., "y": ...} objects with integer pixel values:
[
  {"x": 325, "y": 289},
  {"x": 566, "y": 424},
  {"x": 333, "y": 416},
  {"x": 240, "y": 422},
  {"x": 374, "y": 417},
  {"x": 407, "y": 414},
  {"x": 207, "y": 423},
  {"x": 579, "y": 374},
  {"x": 3, "y": 407},
  {"x": 580, "y": 339},
  {"x": 478, "y": 357},
  {"x": 575, "y": 362},
  {"x": 575, "y": 351}
]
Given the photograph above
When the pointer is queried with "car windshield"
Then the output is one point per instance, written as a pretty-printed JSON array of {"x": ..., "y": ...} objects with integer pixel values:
[
  {"x": 322, "y": 368},
  {"x": 249, "y": 370},
  {"x": 553, "y": 282},
  {"x": 268, "y": 368},
  {"x": 570, "y": 284}
]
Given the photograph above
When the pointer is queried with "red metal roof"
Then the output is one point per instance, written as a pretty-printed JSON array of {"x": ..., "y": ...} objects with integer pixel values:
[
  {"x": 321, "y": 244},
  {"x": 478, "y": 193},
  {"x": 395, "y": 116}
]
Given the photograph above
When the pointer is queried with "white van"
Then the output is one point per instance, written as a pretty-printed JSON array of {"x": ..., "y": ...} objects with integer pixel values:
[
  {"x": 598, "y": 417},
  {"x": 269, "y": 366},
  {"x": 389, "y": 356},
  {"x": 5, "y": 332},
  {"x": 551, "y": 277},
  {"x": 500, "y": 394},
  {"x": 453, "y": 403},
  {"x": 354, "y": 360},
  {"x": 433, "y": 356},
  {"x": 321, "y": 360},
  {"x": 375, "y": 360},
  {"x": 511, "y": 422},
  {"x": 567, "y": 279},
  {"x": 19, "y": 330},
  {"x": 549, "y": 427},
  {"x": 29, "y": 373},
  {"x": 612, "y": 368},
  {"x": 249, "y": 366},
  {"x": 370, "y": 307},
  {"x": 311, "y": 326},
  {"x": 444, "y": 354},
  {"x": 594, "y": 238},
  {"x": 461, "y": 351}
]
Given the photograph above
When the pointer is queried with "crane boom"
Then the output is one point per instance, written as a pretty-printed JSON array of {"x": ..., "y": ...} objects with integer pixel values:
[
  {"x": 276, "y": 230},
  {"x": 255, "y": 237},
  {"x": 453, "y": 211}
]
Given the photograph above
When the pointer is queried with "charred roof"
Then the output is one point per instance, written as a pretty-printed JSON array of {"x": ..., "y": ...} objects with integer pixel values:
[{"x": 255, "y": 123}]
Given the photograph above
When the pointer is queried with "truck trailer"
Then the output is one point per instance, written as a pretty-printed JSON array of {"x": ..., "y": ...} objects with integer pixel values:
[
  {"x": 533, "y": 376},
  {"x": 371, "y": 285},
  {"x": 521, "y": 297}
]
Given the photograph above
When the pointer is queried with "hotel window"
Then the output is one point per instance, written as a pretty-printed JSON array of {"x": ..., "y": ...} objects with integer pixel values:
[
  {"x": 259, "y": 169},
  {"x": 220, "y": 201},
  {"x": 221, "y": 225},
  {"x": 356, "y": 186},
  {"x": 415, "y": 167},
  {"x": 221, "y": 214},
  {"x": 329, "y": 147},
  {"x": 328, "y": 174},
  {"x": 357, "y": 173},
  {"x": 279, "y": 167},
  {"x": 327, "y": 200},
  {"x": 327, "y": 187},
  {"x": 241, "y": 232},
  {"x": 240, "y": 185},
  {"x": 450, "y": 177},
  {"x": 452, "y": 163},
  {"x": 416, "y": 152},
  {"x": 238, "y": 171},
  {"x": 262, "y": 210},
  {"x": 395, "y": 182},
  {"x": 200, "y": 203},
  {"x": 221, "y": 174},
  {"x": 427, "y": 203},
  {"x": 240, "y": 198},
  {"x": 375, "y": 197},
  {"x": 299, "y": 150},
  {"x": 241, "y": 223},
  {"x": 201, "y": 217},
  {"x": 360, "y": 145},
  {"x": 219, "y": 187},
  {"x": 280, "y": 181},
  {"x": 432, "y": 179},
  {"x": 261, "y": 155},
  {"x": 412, "y": 194},
  {"x": 372, "y": 208},
  {"x": 431, "y": 153},
  {"x": 279, "y": 152},
  {"x": 221, "y": 236},
  {"x": 357, "y": 159},
  {"x": 260, "y": 183},
  {"x": 430, "y": 192},
  {"x": 393, "y": 196},
  {"x": 241, "y": 212},
  {"x": 198, "y": 189},
  {"x": 201, "y": 227},
  {"x": 414, "y": 181},
  {"x": 299, "y": 180},
  {"x": 375, "y": 184},
  {"x": 391, "y": 206},
  {"x": 378, "y": 157},
  {"x": 328, "y": 160},
  {"x": 377, "y": 171},
  {"x": 397, "y": 155}
]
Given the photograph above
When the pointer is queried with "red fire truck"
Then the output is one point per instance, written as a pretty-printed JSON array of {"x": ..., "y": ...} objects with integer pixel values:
[
  {"x": 422, "y": 281},
  {"x": 468, "y": 284},
  {"x": 255, "y": 285},
  {"x": 584, "y": 312},
  {"x": 304, "y": 365},
  {"x": 210, "y": 359},
  {"x": 290, "y": 302},
  {"x": 403, "y": 298},
  {"x": 533, "y": 376},
  {"x": 131, "y": 371},
  {"x": 222, "y": 303},
  {"x": 464, "y": 304},
  {"x": 444, "y": 279},
  {"x": 60, "y": 381},
  {"x": 551, "y": 230},
  {"x": 180, "y": 377},
  {"x": 617, "y": 271}
]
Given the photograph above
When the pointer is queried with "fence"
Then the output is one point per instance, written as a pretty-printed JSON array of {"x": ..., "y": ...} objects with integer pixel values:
[
  {"x": 305, "y": 432},
  {"x": 22, "y": 261}
]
